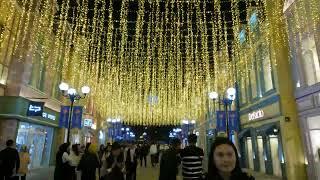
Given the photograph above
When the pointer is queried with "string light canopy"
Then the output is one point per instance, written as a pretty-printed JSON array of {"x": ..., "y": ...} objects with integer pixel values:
[{"x": 148, "y": 62}]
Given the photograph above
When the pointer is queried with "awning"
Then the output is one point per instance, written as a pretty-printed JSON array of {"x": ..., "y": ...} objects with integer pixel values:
[
  {"x": 244, "y": 133},
  {"x": 267, "y": 129}
]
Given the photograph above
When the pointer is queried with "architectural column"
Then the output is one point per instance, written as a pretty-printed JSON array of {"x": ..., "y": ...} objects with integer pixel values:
[{"x": 292, "y": 144}]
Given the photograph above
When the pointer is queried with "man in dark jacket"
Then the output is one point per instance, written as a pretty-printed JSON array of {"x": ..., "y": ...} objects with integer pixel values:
[
  {"x": 9, "y": 161},
  {"x": 131, "y": 163},
  {"x": 170, "y": 161}
]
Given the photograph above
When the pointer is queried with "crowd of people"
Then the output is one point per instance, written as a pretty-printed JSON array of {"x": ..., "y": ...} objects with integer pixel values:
[
  {"x": 119, "y": 161},
  {"x": 110, "y": 162}
]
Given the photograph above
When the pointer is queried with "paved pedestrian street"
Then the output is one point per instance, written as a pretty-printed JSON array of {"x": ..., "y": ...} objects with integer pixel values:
[{"x": 148, "y": 173}]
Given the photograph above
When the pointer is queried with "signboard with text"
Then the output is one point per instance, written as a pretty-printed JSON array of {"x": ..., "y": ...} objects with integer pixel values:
[{"x": 35, "y": 108}]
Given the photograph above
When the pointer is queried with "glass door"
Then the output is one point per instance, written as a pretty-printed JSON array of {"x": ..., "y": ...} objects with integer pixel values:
[
  {"x": 261, "y": 154},
  {"x": 250, "y": 153},
  {"x": 274, "y": 146}
]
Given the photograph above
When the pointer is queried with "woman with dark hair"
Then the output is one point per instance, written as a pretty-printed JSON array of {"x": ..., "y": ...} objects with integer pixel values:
[
  {"x": 224, "y": 162},
  {"x": 62, "y": 169}
]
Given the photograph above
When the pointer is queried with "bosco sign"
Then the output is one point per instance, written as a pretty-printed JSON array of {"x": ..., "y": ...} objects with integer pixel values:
[{"x": 256, "y": 115}]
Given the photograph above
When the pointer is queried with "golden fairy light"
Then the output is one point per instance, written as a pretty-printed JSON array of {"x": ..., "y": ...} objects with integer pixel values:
[{"x": 150, "y": 62}]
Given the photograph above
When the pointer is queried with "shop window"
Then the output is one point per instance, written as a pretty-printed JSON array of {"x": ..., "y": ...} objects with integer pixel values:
[
  {"x": 310, "y": 61},
  {"x": 3, "y": 74},
  {"x": 314, "y": 146},
  {"x": 38, "y": 140}
]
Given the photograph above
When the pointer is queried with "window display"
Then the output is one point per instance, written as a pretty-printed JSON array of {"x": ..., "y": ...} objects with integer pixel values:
[
  {"x": 38, "y": 140},
  {"x": 314, "y": 128}
]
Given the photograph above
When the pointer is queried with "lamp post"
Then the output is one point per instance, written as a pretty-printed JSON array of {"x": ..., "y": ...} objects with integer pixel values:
[
  {"x": 225, "y": 101},
  {"x": 72, "y": 95}
]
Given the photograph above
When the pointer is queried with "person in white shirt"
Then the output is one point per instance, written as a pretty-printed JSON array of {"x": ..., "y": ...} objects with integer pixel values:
[
  {"x": 153, "y": 154},
  {"x": 74, "y": 159}
]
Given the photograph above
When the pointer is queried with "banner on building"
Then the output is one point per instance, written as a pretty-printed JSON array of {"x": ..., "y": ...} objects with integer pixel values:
[
  {"x": 221, "y": 121},
  {"x": 64, "y": 116},
  {"x": 76, "y": 117},
  {"x": 233, "y": 121}
]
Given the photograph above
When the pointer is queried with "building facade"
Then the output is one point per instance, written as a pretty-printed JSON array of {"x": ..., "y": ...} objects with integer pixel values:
[
  {"x": 304, "y": 36},
  {"x": 29, "y": 73},
  {"x": 25, "y": 78},
  {"x": 269, "y": 140}
]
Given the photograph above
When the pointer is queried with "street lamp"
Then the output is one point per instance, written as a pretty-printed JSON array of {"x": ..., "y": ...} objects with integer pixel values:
[
  {"x": 72, "y": 95},
  {"x": 226, "y": 101}
]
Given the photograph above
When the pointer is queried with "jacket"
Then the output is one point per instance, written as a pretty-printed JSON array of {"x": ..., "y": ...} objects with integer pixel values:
[
  {"x": 24, "y": 162},
  {"x": 88, "y": 166},
  {"x": 9, "y": 161},
  {"x": 169, "y": 164}
]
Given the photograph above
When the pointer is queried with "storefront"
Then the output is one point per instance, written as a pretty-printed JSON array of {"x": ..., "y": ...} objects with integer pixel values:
[
  {"x": 260, "y": 140},
  {"x": 309, "y": 116},
  {"x": 37, "y": 133}
]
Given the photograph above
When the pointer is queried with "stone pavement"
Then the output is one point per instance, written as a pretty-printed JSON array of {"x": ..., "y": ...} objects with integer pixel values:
[{"x": 148, "y": 173}]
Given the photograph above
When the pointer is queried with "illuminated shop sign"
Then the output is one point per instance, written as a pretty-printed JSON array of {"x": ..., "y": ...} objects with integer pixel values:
[
  {"x": 87, "y": 122},
  {"x": 256, "y": 115},
  {"x": 48, "y": 116},
  {"x": 35, "y": 108}
]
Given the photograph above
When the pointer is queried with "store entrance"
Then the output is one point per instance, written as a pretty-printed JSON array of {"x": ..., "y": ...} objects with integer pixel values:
[
  {"x": 261, "y": 154},
  {"x": 38, "y": 140},
  {"x": 249, "y": 153},
  {"x": 274, "y": 147}
]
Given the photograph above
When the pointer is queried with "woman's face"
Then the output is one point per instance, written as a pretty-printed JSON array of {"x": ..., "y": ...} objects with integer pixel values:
[{"x": 224, "y": 158}]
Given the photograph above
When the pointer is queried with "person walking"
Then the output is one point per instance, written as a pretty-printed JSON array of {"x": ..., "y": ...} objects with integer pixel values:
[
  {"x": 224, "y": 162},
  {"x": 74, "y": 159},
  {"x": 9, "y": 161},
  {"x": 143, "y": 155},
  {"x": 115, "y": 168},
  {"x": 192, "y": 157},
  {"x": 24, "y": 162},
  {"x": 62, "y": 168},
  {"x": 104, "y": 162},
  {"x": 100, "y": 155},
  {"x": 101, "y": 151},
  {"x": 170, "y": 161},
  {"x": 131, "y": 163},
  {"x": 89, "y": 163},
  {"x": 153, "y": 154}
]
